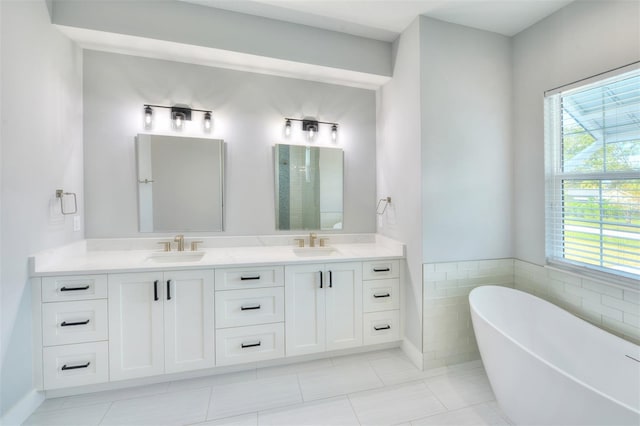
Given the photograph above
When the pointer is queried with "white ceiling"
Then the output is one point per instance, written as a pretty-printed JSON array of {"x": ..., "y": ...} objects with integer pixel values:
[{"x": 386, "y": 19}]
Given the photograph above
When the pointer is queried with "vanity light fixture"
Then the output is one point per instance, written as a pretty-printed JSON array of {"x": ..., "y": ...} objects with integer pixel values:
[
  {"x": 310, "y": 126},
  {"x": 287, "y": 127},
  {"x": 207, "y": 122},
  {"x": 148, "y": 117},
  {"x": 179, "y": 114}
]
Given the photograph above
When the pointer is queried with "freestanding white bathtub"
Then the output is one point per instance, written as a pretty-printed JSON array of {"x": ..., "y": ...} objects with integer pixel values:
[{"x": 548, "y": 367}]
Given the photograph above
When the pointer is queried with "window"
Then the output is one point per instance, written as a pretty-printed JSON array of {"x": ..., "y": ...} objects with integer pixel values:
[{"x": 593, "y": 175}]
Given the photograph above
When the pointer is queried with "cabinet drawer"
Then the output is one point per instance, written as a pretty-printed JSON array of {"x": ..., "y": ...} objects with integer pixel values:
[
  {"x": 249, "y": 344},
  {"x": 242, "y": 278},
  {"x": 74, "y": 322},
  {"x": 236, "y": 308},
  {"x": 381, "y": 327},
  {"x": 375, "y": 270},
  {"x": 75, "y": 365},
  {"x": 381, "y": 295},
  {"x": 78, "y": 287}
]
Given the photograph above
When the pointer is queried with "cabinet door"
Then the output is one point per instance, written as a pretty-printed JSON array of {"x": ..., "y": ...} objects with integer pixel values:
[
  {"x": 344, "y": 305},
  {"x": 136, "y": 328},
  {"x": 188, "y": 320},
  {"x": 304, "y": 309}
]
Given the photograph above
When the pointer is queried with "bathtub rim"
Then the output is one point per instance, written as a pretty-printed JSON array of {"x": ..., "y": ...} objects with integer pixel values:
[{"x": 536, "y": 356}]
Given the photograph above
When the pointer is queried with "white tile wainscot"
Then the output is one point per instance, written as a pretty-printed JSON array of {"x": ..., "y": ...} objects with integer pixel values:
[
  {"x": 613, "y": 308},
  {"x": 448, "y": 332}
]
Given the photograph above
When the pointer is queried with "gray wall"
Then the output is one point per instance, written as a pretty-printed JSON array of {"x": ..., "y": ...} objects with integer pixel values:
[
  {"x": 399, "y": 170},
  {"x": 249, "y": 111},
  {"x": 41, "y": 152},
  {"x": 192, "y": 24},
  {"x": 466, "y": 146},
  {"x": 580, "y": 40}
]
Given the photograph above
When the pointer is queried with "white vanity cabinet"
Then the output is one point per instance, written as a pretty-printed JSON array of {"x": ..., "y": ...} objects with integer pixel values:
[
  {"x": 70, "y": 331},
  {"x": 324, "y": 307},
  {"x": 381, "y": 301},
  {"x": 160, "y": 323},
  {"x": 249, "y": 314},
  {"x": 130, "y": 324}
]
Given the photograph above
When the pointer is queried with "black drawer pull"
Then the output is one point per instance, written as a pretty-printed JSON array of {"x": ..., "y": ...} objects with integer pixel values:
[
  {"x": 250, "y": 345},
  {"x": 377, "y": 296},
  {"x": 384, "y": 327},
  {"x": 381, "y": 269},
  {"x": 75, "y": 367},
  {"x": 69, "y": 324},
  {"x": 86, "y": 287},
  {"x": 253, "y": 277},
  {"x": 168, "y": 289},
  {"x": 155, "y": 290},
  {"x": 249, "y": 308},
  {"x": 330, "y": 279},
  {"x": 321, "y": 279}
]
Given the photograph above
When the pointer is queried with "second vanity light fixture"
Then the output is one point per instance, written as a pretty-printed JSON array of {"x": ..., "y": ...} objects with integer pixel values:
[
  {"x": 179, "y": 114},
  {"x": 310, "y": 126}
]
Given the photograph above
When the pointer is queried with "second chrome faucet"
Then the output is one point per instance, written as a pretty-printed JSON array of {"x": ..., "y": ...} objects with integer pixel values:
[
  {"x": 180, "y": 240},
  {"x": 312, "y": 240}
]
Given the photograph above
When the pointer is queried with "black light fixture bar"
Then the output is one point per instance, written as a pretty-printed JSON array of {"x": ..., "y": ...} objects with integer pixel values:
[
  {"x": 177, "y": 108},
  {"x": 179, "y": 114},
  {"x": 310, "y": 126},
  {"x": 303, "y": 120}
]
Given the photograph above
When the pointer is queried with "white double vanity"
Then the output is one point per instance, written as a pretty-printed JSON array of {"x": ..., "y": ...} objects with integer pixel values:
[{"x": 120, "y": 309}]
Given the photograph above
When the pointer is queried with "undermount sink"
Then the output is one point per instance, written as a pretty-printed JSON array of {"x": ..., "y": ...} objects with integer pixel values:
[
  {"x": 314, "y": 251},
  {"x": 176, "y": 256}
]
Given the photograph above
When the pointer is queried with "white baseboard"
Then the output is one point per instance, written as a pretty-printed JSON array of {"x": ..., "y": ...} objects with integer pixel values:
[
  {"x": 414, "y": 354},
  {"x": 22, "y": 409}
]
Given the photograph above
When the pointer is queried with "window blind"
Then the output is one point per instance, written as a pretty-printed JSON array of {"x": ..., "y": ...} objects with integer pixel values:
[{"x": 592, "y": 163}]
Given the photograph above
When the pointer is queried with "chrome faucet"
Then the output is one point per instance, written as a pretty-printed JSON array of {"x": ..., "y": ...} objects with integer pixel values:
[
  {"x": 180, "y": 240},
  {"x": 312, "y": 239}
]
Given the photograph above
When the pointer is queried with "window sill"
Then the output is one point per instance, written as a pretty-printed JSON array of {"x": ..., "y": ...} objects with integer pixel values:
[{"x": 624, "y": 282}]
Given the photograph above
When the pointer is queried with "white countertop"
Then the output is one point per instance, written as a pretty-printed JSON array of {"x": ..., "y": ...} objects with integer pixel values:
[{"x": 133, "y": 254}]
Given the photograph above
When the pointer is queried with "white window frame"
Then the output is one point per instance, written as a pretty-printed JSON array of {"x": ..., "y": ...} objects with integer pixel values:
[{"x": 554, "y": 176}]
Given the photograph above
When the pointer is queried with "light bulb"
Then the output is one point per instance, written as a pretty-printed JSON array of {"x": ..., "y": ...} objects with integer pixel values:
[
  {"x": 312, "y": 132},
  {"x": 207, "y": 122},
  {"x": 148, "y": 117},
  {"x": 334, "y": 132},
  {"x": 177, "y": 122},
  {"x": 287, "y": 128}
]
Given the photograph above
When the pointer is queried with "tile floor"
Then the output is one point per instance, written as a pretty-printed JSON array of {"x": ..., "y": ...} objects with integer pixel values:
[{"x": 375, "y": 388}]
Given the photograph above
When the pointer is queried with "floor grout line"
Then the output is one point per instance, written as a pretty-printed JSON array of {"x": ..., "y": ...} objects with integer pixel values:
[
  {"x": 354, "y": 409},
  {"x": 300, "y": 388},
  {"x": 105, "y": 413},
  {"x": 209, "y": 405}
]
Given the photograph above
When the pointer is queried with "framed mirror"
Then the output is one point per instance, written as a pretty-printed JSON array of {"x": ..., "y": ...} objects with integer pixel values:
[
  {"x": 309, "y": 187},
  {"x": 180, "y": 183}
]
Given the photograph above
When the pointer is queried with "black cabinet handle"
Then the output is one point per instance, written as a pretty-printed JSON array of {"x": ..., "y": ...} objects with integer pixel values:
[
  {"x": 168, "y": 289},
  {"x": 381, "y": 269},
  {"x": 330, "y": 279},
  {"x": 155, "y": 290},
  {"x": 86, "y": 287},
  {"x": 250, "y": 345},
  {"x": 75, "y": 367},
  {"x": 384, "y": 327},
  {"x": 377, "y": 296},
  {"x": 253, "y": 277},
  {"x": 69, "y": 324},
  {"x": 321, "y": 279},
  {"x": 249, "y": 308}
]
